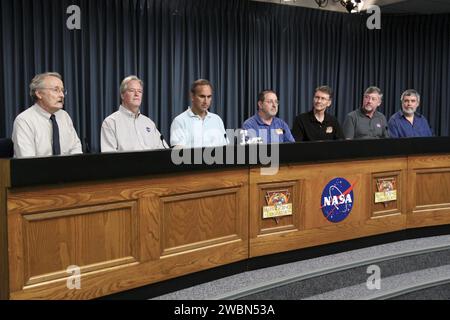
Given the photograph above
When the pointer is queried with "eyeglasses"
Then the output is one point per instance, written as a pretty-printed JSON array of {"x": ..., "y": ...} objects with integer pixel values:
[
  {"x": 57, "y": 90},
  {"x": 371, "y": 98},
  {"x": 274, "y": 102},
  {"x": 134, "y": 91}
]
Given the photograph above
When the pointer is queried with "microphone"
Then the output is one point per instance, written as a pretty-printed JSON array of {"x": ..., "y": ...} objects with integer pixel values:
[
  {"x": 87, "y": 149},
  {"x": 226, "y": 138},
  {"x": 162, "y": 142}
]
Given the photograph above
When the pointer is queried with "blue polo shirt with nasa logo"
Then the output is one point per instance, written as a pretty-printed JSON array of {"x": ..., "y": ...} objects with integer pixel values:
[{"x": 277, "y": 132}]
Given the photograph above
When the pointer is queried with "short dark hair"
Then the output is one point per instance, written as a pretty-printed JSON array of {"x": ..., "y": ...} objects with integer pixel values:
[
  {"x": 325, "y": 89},
  {"x": 200, "y": 82},
  {"x": 262, "y": 94}
]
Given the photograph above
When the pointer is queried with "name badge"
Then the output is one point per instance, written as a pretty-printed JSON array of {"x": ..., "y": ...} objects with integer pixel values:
[
  {"x": 279, "y": 131},
  {"x": 329, "y": 130},
  {"x": 378, "y": 125}
]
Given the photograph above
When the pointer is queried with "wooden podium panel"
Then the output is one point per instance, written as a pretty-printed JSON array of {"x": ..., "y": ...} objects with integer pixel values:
[
  {"x": 311, "y": 227},
  {"x": 87, "y": 239},
  {"x": 4, "y": 263},
  {"x": 124, "y": 234},
  {"x": 199, "y": 219},
  {"x": 393, "y": 207},
  {"x": 429, "y": 201},
  {"x": 282, "y": 223},
  {"x": 93, "y": 238}
]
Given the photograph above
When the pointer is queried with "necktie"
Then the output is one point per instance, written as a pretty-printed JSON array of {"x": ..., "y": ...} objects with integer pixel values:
[{"x": 56, "y": 148}]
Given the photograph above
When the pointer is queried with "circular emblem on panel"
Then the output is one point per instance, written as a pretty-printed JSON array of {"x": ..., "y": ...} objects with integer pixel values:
[{"x": 337, "y": 200}]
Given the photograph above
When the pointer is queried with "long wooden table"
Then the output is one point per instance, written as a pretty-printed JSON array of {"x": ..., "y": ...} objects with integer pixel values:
[{"x": 132, "y": 219}]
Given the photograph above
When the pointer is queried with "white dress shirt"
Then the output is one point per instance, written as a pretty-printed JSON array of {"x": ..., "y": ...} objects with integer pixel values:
[
  {"x": 125, "y": 131},
  {"x": 32, "y": 133},
  {"x": 189, "y": 130}
]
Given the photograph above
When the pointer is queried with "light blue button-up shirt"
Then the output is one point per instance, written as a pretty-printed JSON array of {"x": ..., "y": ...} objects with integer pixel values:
[{"x": 189, "y": 130}]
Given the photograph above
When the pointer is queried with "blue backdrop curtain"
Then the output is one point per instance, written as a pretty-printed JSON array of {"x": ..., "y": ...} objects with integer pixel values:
[{"x": 241, "y": 46}]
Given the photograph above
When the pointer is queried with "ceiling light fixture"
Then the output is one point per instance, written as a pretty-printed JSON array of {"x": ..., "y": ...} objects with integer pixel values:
[{"x": 350, "y": 5}]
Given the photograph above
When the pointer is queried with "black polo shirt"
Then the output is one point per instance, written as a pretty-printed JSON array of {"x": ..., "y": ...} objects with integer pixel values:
[{"x": 308, "y": 128}]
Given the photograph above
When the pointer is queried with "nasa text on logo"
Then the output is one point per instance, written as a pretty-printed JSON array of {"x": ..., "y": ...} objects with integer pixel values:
[{"x": 337, "y": 200}]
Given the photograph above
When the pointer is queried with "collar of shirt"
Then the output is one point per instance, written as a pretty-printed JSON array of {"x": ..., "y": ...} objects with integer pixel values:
[
  {"x": 193, "y": 115},
  {"x": 400, "y": 114},
  {"x": 128, "y": 113},
  {"x": 260, "y": 122},
  {"x": 42, "y": 112},
  {"x": 313, "y": 118},
  {"x": 360, "y": 113}
]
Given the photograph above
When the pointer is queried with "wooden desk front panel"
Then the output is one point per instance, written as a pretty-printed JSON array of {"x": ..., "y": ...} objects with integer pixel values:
[
  {"x": 128, "y": 233},
  {"x": 429, "y": 202},
  {"x": 307, "y": 226},
  {"x": 4, "y": 269},
  {"x": 124, "y": 234}
]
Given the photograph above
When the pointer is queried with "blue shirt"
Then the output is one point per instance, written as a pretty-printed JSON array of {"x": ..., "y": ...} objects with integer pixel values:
[
  {"x": 277, "y": 132},
  {"x": 400, "y": 127}
]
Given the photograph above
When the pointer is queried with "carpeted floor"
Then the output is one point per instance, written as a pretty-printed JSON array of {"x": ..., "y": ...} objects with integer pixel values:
[{"x": 403, "y": 265}]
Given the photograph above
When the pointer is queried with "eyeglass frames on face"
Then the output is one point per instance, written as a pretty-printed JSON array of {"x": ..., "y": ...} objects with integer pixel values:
[
  {"x": 274, "y": 102},
  {"x": 56, "y": 90},
  {"x": 134, "y": 91}
]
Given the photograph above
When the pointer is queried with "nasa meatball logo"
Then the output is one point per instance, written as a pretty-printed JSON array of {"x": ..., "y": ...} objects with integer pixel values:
[{"x": 337, "y": 200}]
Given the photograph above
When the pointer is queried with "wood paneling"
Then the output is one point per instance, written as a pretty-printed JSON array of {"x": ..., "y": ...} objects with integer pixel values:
[
  {"x": 31, "y": 200},
  {"x": 129, "y": 233},
  {"x": 103, "y": 282},
  {"x": 150, "y": 228},
  {"x": 397, "y": 206},
  {"x": 43, "y": 245},
  {"x": 315, "y": 228},
  {"x": 283, "y": 223},
  {"x": 429, "y": 197},
  {"x": 324, "y": 235},
  {"x": 315, "y": 186},
  {"x": 199, "y": 219},
  {"x": 91, "y": 238},
  {"x": 111, "y": 230},
  {"x": 4, "y": 270},
  {"x": 432, "y": 188}
]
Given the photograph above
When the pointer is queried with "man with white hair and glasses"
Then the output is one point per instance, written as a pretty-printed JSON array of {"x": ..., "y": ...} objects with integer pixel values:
[
  {"x": 408, "y": 122},
  {"x": 45, "y": 129}
]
